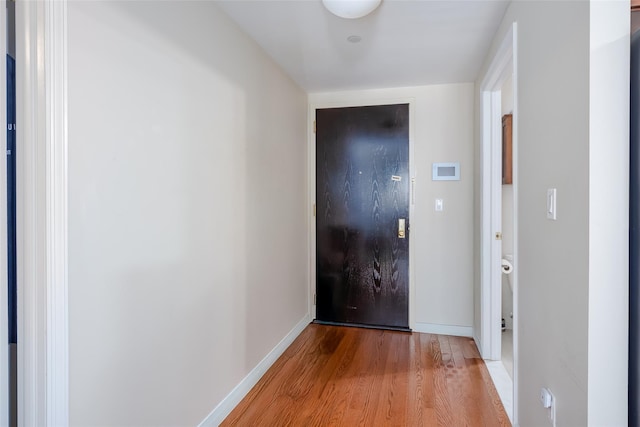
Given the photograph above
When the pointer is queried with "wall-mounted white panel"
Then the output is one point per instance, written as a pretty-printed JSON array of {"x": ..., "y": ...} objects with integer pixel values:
[{"x": 446, "y": 171}]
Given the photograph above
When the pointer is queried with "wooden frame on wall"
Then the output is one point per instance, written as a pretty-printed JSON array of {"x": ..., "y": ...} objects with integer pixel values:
[{"x": 507, "y": 149}]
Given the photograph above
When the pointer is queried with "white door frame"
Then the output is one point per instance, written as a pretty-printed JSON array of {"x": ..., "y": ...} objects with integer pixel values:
[
  {"x": 4, "y": 308},
  {"x": 502, "y": 66},
  {"x": 345, "y": 100},
  {"x": 41, "y": 108}
]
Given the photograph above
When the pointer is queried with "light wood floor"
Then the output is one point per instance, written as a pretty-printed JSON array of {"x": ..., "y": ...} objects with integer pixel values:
[{"x": 339, "y": 376}]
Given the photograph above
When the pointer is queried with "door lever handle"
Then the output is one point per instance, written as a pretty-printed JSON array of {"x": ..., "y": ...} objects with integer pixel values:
[{"x": 401, "y": 228}]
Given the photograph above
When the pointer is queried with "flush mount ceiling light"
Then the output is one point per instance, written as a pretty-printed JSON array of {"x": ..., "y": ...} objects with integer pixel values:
[{"x": 351, "y": 9}]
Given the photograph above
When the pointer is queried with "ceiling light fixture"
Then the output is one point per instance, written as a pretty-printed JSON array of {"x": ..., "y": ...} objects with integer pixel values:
[{"x": 351, "y": 9}]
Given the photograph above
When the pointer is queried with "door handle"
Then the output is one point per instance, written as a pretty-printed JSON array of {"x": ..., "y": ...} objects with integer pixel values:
[{"x": 401, "y": 228}]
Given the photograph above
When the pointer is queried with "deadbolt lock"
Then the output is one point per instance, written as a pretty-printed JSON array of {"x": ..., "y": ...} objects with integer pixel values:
[{"x": 401, "y": 228}]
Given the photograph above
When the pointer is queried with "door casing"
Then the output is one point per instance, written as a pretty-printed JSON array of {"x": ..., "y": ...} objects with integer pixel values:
[
  {"x": 344, "y": 102},
  {"x": 42, "y": 229},
  {"x": 489, "y": 341}
]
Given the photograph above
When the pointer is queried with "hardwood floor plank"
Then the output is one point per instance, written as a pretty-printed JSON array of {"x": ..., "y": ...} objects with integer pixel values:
[
  {"x": 287, "y": 382},
  {"x": 341, "y": 376},
  {"x": 358, "y": 392},
  {"x": 362, "y": 405},
  {"x": 492, "y": 398},
  {"x": 469, "y": 348},
  {"x": 481, "y": 397},
  {"x": 458, "y": 384},
  {"x": 392, "y": 403},
  {"x": 444, "y": 412},
  {"x": 329, "y": 404},
  {"x": 420, "y": 409}
]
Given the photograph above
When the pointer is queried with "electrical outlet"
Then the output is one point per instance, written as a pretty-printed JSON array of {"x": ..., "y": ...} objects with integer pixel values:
[{"x": 548, "y": 401}]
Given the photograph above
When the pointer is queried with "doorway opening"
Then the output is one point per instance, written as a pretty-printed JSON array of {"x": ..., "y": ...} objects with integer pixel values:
[{"x": 499, "y": 218}]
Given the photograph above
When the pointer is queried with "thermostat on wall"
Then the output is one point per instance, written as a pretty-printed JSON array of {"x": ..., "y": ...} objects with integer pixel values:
[{"x": 446, "y": 171}]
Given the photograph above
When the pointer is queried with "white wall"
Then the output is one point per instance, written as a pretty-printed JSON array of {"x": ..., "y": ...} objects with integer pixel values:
[
  {"x": 609, "y": 80},
  {"x": 442, "y": 252},
  {"x": 572, "y": 135},
  {"x": 187, "y": 214},
  {"x": 506, "y": 96}
]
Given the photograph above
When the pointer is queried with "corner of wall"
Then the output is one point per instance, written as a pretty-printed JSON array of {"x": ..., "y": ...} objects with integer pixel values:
[{"x": 224, "y": 408}]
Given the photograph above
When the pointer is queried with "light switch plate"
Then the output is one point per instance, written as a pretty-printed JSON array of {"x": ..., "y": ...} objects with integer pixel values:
[
  {"x": 439, "y": 205},
  {"x": 551, "y": 204}
]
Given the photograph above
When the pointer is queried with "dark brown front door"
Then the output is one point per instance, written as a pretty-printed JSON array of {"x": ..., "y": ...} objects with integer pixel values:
[{"x": 362, "y": 197}]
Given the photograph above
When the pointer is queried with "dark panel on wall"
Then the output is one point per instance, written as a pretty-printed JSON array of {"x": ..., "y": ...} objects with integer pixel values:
[{"x": 11, "y": 197}]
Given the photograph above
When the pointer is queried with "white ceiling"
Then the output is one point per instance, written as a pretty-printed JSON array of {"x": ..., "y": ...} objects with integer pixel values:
[{"x": 404, "y": 42}]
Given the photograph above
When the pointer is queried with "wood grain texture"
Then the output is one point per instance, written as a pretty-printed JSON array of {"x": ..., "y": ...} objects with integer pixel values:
[
  {"x": 362, "y": 188},
  {"x": 507, "y": 149},
  {"x": 341, "y": 376}
]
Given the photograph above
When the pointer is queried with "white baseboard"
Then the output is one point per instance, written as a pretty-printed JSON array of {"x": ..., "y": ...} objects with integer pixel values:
[
  {"x": 477, "y": 340},
  {"x": 432, "y": 328},
  {"x": 227, "y": 404}
]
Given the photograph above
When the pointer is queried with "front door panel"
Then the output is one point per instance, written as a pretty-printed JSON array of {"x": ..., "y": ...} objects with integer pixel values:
[{"x": 362, "y": 215}]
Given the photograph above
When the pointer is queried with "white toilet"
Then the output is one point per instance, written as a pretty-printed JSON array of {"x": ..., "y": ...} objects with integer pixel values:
[
  {"x": 507, "y": 268},
  {"x": 507, "y": 292}
]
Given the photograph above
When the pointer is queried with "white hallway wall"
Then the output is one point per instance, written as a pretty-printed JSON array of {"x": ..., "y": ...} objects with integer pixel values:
[
  {"x": 442, "y": 255},
  {"x": 572, "y": 134},
  {"x": 187, "y": 214}
]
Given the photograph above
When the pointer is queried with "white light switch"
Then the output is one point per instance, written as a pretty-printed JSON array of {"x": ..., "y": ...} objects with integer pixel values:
[
  {"x": 439, "y": 205},
  {"x": 551, "y": 203}
]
